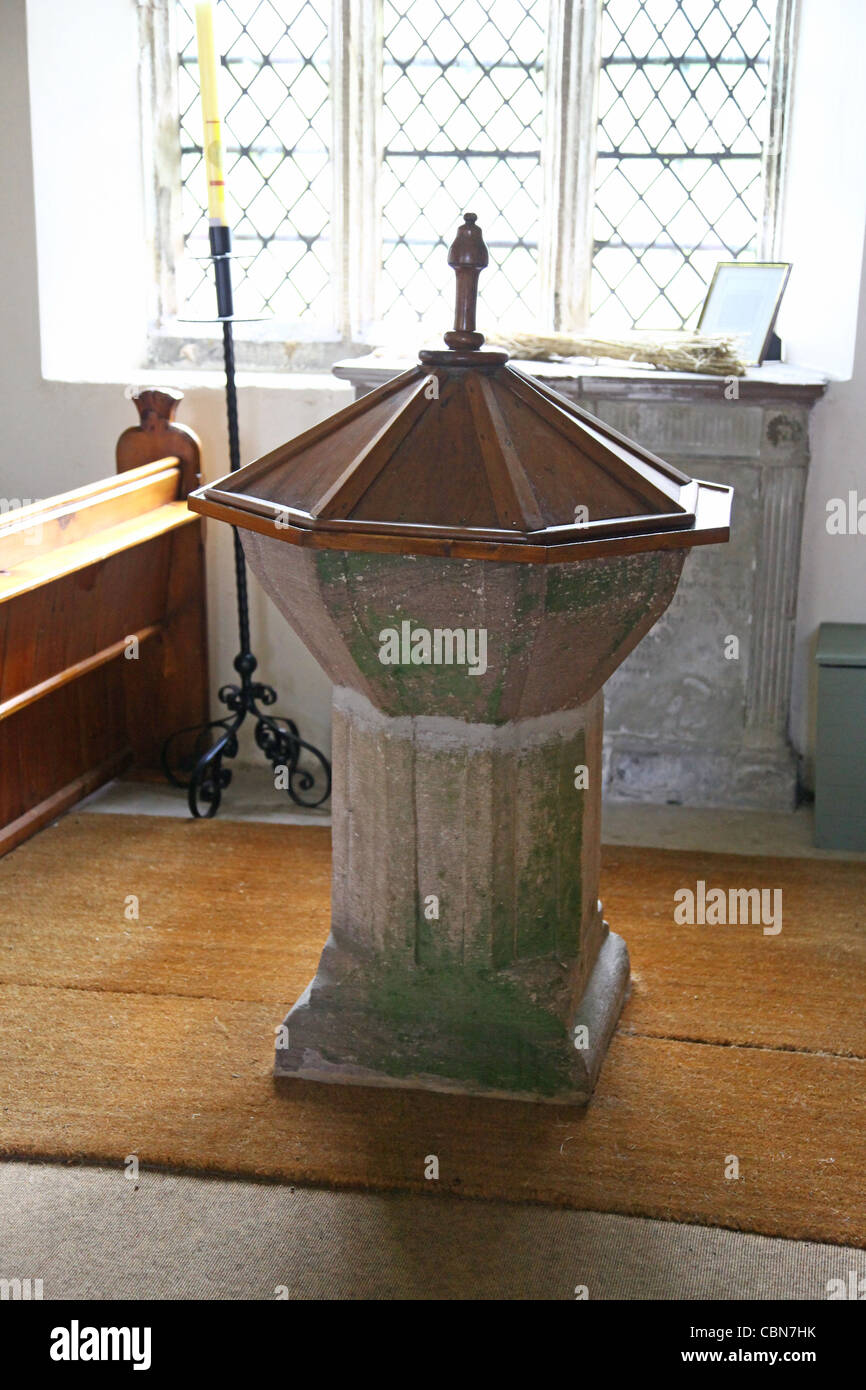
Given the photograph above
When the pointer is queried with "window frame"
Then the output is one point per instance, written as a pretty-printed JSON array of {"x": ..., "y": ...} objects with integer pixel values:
[{"x": 568, "y": 177}]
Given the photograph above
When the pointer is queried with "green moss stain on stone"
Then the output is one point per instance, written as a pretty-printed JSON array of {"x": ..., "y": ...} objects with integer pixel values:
[
  {"x": 548, "y": 880},
  {"x": 599, "y": 583},
  {"x": 365, "y": 646},
  {"x": 572, "y": 891},
  {"x": 579, "y": 588},
  {"x": 567, "y": 892},
  {"x": 337, "y": 567},
  {"x": 529, "y": 599},
  {"x": 441, "y": 688},
  {"x": 615, "y": 595},
  {"x": 536, "y": 872},
  {"x": 329, "y": 566},
  {"x": 526, "y": 897},
  {"x": 509, "y": 649},
  {"x": 493, "y": 708},
  {"x": 358, "y": 588},
  {"x": 468, "y": 1025}
]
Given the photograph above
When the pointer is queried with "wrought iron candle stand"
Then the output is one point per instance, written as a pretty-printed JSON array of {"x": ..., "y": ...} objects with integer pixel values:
[{"x": 276, "y": 736}]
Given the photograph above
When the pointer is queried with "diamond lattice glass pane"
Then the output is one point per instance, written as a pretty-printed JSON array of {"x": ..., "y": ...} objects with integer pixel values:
[
  {"x": 276, "y": 112},
  {"x": 681, "y": 128},
  {"x": 463, "y": 104}
]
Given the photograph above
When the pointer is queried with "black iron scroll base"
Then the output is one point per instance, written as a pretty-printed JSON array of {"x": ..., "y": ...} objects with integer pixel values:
[{"x": 306, "y": 771}]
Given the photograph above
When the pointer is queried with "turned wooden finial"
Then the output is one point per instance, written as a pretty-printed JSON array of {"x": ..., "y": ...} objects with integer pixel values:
[
  {"x": 467, "y": 256},
  {"x": 158, "y": 435},
  {"x": 156, "y": 405}
]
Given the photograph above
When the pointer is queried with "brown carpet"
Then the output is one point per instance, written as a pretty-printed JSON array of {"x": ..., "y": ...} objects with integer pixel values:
[{"x": 154, "y": 1036}]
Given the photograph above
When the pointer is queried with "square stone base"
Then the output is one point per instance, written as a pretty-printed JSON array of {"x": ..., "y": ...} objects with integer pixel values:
[{"x": 331, "y": 1039}]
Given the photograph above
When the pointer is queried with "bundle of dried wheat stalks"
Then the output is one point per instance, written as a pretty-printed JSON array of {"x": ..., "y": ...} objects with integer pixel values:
[{"x": 716, "y": 354}]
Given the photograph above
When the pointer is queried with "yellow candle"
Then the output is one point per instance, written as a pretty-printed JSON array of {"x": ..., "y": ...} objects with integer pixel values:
[{"x": 213, "y": 145}]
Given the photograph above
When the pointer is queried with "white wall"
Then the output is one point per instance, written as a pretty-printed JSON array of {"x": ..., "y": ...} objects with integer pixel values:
[
  {"x": 833, "y": 568},
  {"x": 59, "y": 433},
  {"x": 824, "y": 203}
]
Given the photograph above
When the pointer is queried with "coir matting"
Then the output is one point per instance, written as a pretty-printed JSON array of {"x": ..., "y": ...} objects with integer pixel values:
[{"x": 145, "y": 963}]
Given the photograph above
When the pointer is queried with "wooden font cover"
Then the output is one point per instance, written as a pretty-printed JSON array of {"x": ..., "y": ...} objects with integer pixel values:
[{"x": 464, "y": 455}]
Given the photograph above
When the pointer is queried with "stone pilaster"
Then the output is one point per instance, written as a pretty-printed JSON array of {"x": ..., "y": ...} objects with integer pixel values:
[{"x": 769, "y": 677}]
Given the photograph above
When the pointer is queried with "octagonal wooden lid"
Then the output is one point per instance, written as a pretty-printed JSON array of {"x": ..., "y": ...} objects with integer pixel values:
[{"x": 464, "y": 455}]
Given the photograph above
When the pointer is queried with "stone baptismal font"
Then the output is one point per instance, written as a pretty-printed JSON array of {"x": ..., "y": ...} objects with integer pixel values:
[{"x": 469, "y": 556}]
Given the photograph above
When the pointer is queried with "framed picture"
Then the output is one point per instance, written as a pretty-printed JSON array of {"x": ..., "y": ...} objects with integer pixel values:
[{"x": 744, "y": 298}]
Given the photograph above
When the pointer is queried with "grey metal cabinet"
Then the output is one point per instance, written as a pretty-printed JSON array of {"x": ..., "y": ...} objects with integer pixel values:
[{"x": 840, "y": 751}]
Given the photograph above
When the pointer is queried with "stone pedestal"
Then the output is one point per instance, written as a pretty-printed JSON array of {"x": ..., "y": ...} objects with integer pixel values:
[{"x": 467, "y": 947}]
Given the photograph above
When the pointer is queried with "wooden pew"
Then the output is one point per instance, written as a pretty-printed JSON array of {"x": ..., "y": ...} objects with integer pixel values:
[{"x": 102, "y": 624}]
